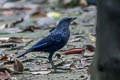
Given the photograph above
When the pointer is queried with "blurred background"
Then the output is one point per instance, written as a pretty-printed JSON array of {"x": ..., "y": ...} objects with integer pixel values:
[{"x": 33, "y": 10}]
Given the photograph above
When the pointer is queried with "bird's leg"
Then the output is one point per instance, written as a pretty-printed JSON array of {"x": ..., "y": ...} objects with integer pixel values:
[{"x": 51, "y": 61}]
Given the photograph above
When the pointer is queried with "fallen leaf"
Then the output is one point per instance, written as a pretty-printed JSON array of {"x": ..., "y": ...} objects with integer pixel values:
[
  {"x": 18, "y": 66},
  {"x": 7, "y": 65},
  {"x": 90, "y": 48},
  {"x": 5, "y": 75},
  {"x": 11, "y": 65},
  {"x": 41, "y": 72},
  {"x": 72, "y": 66},
  {"x": 4, "y": 58},
  {"x": 14, "y": 40},
  {"x": 74, "y": 51},
  {"x": 19, "y": 40},
  {"x": 38, "y": 15}
]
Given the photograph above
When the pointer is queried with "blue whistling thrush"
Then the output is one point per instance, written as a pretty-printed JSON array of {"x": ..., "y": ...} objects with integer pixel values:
[{"x": 54, "y": 41}]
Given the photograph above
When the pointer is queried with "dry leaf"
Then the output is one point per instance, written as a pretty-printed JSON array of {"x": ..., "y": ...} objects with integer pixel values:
[
  {"x": 5, "y": 58},
  {"x": 14, "y": 39},
  {"x": 5, "y": 75},
  {"x": 74, "y": 51},
  {"x": 18, "y": 66},
  {"x": 90, "y": 48},
  {"x": 38, "y": 15},
  {"x": 41, "y": 72},
  {"x": 19, "y": 40}
]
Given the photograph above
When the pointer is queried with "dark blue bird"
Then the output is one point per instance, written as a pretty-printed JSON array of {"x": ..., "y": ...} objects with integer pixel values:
[{"x": 54, "y": 41}]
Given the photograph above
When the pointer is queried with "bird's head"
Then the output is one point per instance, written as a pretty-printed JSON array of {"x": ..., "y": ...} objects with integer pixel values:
[{"x": 64, "y": 23}]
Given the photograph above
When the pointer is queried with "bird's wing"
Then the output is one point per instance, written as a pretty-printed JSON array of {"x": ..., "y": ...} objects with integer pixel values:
[
  {"x": 49, "y": 40},
  {"x": 39, "y": 45}
]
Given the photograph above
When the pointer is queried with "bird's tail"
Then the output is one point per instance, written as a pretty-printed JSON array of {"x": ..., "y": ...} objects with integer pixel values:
[{"x": 29, "y": 50}]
